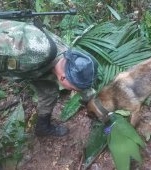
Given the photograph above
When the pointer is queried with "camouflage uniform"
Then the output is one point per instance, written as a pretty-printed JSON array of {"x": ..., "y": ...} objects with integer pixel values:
[
  {"x": 30, "y": 52},
  {"x": 27, "y": 53}
]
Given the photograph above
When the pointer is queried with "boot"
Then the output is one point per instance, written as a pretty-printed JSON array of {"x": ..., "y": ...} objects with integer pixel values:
[{"x": 44, "y": 128}]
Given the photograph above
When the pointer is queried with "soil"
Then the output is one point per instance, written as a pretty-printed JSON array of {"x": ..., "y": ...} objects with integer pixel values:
[{"x": 66, "y": 153}]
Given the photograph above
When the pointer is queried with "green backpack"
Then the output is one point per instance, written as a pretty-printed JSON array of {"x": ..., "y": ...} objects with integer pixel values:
[{"x": 25, "y": 50}]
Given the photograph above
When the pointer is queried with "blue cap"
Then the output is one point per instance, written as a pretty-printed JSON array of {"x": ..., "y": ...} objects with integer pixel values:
[{"x": 80, "y": 69}]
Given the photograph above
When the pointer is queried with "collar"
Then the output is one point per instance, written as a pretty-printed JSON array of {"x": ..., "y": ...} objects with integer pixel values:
[
  {"x": 105, "y": 113},
  {"x": 100, "y": 107}
]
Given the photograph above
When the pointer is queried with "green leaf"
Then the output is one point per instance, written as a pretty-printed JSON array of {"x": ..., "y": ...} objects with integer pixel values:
[
  {"x": 123, "y": 112},
  {"x": 128, "y": 130},
  {"x": 124, "y": 143},
  {"x": 57, "y": 1},
  {"x": 71, "y": 107},
  {"x": 97, "y": 49},
  {"x": 13, "y": 135},
  {"x": 35, "y": 98},
  {"x": 133, "y": 58},
  {"x": 116, "y": 15},
  {"x": 116, "y": 45},
  {"x": 13, "y": 122},
  {"x": 96, "y": 143},
  {"x": 109, "y": 72},
  {"x": 38, "y": 5},
  {"x": 2, "y": 94},
  {"x": 100, "y": 42},
  {"x": 122, "y": 150}
]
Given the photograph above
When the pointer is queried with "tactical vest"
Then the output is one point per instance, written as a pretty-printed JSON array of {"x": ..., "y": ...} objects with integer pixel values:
[{"x": 25, "y": 50}]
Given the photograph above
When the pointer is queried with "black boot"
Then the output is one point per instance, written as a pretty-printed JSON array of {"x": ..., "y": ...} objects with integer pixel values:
[{"x": 44, "y": 128}]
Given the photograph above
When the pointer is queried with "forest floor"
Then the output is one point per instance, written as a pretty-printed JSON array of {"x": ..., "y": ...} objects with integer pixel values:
[{"x": 66, "y": 153}]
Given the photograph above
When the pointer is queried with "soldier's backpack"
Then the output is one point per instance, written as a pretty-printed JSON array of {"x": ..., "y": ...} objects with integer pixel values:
[{"x": 24, "y": 49}]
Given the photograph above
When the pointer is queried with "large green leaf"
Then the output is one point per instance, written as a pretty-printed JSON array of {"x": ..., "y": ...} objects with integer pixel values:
[
  {"x": 114, "y": 33},
  {"x": 128, "y": 130},
  {"x": 16, "y": 121},
  {"x": 13, "y": 135},
  {"x": 124, "y": 143},
  {"x": 116, "y": 46},
  {"x": 96, "y": 143},
  {"x": 71, "y": 107}
]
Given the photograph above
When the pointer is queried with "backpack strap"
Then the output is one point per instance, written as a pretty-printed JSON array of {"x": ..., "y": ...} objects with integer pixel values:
[
  {"x": 53, "y": 47},
  {"x": 3, "y": 63}
]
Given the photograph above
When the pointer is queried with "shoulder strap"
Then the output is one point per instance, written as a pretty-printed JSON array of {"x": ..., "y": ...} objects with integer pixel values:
[{"x": 53, "y": 50}]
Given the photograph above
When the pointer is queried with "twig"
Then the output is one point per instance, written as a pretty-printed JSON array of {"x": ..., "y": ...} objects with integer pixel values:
[{"x": 80, "y": 165}]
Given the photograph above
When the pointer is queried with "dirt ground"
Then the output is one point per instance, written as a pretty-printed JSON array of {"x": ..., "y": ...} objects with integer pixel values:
[{"x": 66, "y": 153}]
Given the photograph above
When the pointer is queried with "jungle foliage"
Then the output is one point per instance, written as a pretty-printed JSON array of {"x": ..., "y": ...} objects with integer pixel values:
[{"x": 116, "y": 32}]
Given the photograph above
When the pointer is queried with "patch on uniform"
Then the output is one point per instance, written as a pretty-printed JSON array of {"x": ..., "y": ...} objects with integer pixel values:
[{"x": 11, "y": 64}]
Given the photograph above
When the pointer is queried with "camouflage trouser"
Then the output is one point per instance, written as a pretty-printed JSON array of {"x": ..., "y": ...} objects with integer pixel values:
[{"x": 48, "y": 93}]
